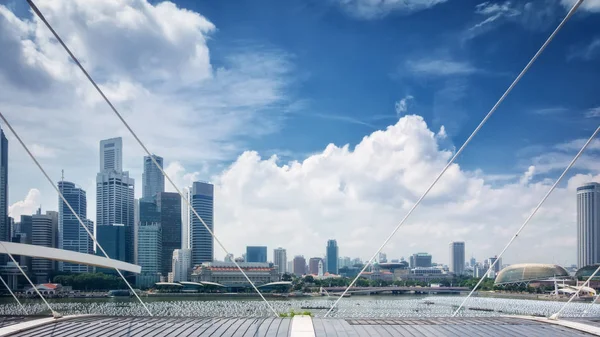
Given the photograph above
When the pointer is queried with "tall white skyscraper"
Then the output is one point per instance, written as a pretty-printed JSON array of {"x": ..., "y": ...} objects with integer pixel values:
[
  {"x": 280, "y": 259},
  {"x": 153, "y": 181},
  {"x": 115, "y": 192},
  {"x": 111, "y": 154},
  {"x": 457, "y": 258},
  {"x": 185, "y": 219},
  {"x": 182, "y": 263},
  {"x": 588, "y": 224}
]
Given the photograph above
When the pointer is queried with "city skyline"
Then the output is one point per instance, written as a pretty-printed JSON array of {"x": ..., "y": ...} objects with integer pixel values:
[{"x": 414, "y": 100}]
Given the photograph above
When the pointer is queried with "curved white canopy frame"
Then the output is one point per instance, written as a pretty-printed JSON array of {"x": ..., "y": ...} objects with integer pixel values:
[{"x": 66, "y": 256}]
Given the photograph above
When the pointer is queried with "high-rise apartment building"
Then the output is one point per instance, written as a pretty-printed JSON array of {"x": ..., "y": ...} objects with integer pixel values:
[
  {"x": 202, "y": 200},
  {"x": 182, "y": 264},
  {"x": 332, "y": 257},
  {"x": 299, "y": 265},
  {"x": 153, "y": 181},
  {"x": 280, "y": 260},
  {"x": 169, "y": 207},
  {"x": 115, "y": 192},
  {"x": 71, "y": 235},
  {"x": 588, "y": 224},
  {"x": 4, "y": 226},
  {"x": 256, "y": 254},
  {"x": 44, "y": 232},
  {"x": 457, "y": 258}
]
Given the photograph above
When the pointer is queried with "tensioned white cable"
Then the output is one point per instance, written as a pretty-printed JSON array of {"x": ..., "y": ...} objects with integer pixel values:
[
  {"x": 595, "y": 298},
  {"x": 90, "y": 234},
  {"x": 585, "y": 284},
  {"x": 41, "y": 16},
  {"x": 13, "y": 295},
  {"x": 530, "y": 216},
  {"x": 54, "y": 313},
  {"x": 460, "y": 150}
]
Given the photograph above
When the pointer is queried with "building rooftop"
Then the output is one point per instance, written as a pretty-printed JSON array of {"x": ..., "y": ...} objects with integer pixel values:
[{"x": 88, "y": 325}]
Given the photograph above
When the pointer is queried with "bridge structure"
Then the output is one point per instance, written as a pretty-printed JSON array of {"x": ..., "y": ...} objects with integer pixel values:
[{"x": 397, "y": 290}]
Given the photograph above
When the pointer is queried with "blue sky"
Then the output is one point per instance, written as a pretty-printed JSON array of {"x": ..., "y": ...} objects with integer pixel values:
[
  {"x": 351, "y": 70},
  {"x": 218, "y": 87}
]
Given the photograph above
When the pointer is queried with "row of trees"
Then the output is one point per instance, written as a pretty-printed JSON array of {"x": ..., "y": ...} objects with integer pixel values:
[
  {"x": 304, "y": 283},
  {"x": 91, "y": 281}
]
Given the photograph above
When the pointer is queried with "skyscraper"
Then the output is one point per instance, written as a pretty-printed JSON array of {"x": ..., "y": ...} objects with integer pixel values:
[
  {"x": 182, "y": 263},
  {"x": 185, "y": 218},
  {"x": 420, "y": 260},
  {"x": 44, "y": 228},
  {"x": 4, "y": 227},
  {"x": 149, "y": 253},
  {"x": 457, "y": 258},
  {"x": 280, "y": 260},
  {"x": 256, "y": 254},
  {"x": 202, "y": 199},
  {"x": 332, "y": 257},
  {"x": 71, "y": 236},
  {"x": 299, "y": 265},
  {"x": 153, "y": 181},
  {"x": 588, "y": 224},
  {"x": 115, "y": 192},
  {"x": 111, "y": 155},
  {"x": 114, "y": 241},
  {"x": 136, "y": 224},
  {"x": 497, "y": 266},
  {"x": 169, "y": 206}
]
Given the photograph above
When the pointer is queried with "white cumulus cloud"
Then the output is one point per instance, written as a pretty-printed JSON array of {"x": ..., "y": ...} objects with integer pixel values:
[
  {"x": 372, "y": 9},
  {"x": 152, "y": 60},
  {"x": 402, "y": 105},
  {"x": 358, "y": 194},
  {"x": 26, "y": 206},
  {"x": 528, "y": 175},
  {"x": 588, "y": 5}
]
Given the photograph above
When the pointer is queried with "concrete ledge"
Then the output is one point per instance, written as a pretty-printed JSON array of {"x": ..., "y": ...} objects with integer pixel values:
[{"x": 302, "y": 326}]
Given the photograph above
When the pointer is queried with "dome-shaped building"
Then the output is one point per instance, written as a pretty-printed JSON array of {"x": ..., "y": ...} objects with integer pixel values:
[
  {"x": 527, "y": 272},
  {"x": 585, "y": 272}
]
